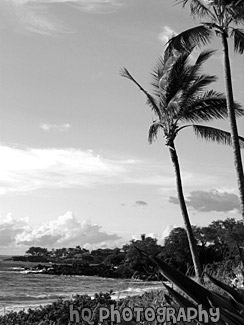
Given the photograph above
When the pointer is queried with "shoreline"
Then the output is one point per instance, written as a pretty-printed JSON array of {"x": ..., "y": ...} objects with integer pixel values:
[{"x": 8, "y": 307}]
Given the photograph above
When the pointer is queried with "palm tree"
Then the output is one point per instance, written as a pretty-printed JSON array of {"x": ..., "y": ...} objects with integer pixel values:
[
  {"x": 223, "y": 17},
  {"x": 180, "y": 98}
]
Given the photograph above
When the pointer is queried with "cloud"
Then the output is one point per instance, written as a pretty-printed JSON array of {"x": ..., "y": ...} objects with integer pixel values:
[
  {"x": 29, "y": 169},
  {"x": 66, "y": 230},
  {"x": 165, "y": 233},
  {"x": 35, "y": 16},
  {"x": 95, "y": 6},
  {"x": 10, "y": 228},
  {"x": 160, "y": 237},
  {"x": 26, "y": 169},
  {"x": 166, "y": 34},
  {"x": 55, "y": 127},
  {"x": 140, "y": 204},
  {"x": 214, "y": 200}
]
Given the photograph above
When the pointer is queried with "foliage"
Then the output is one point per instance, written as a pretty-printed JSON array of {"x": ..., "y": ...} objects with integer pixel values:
[
  {"x": 58, "y": 313},
  {"x": 220, "y": 246},
  {"x": 37, "y": 251},
  {"x": 141, "y": 266},
  {"x": 231, "y": 305}
]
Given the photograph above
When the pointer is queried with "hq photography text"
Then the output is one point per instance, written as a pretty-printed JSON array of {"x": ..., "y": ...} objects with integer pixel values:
[{"x": 150, "y": 314}]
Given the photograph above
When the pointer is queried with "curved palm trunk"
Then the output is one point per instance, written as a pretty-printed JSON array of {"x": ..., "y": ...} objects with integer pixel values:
[
  {"x": 190, "y": 236},
  {"x": 232, "y": 121}
]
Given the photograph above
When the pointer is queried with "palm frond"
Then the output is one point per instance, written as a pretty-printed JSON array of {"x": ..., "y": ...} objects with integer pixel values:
[
  {"x": 235, "y": 10},
  {"x": 204, "y": 56},
  {"x": 157, "y": 73},
  {"x": 192, "y": 81},
  {"x": 192, "y": 71},
  {"x": 153, "y": 131},
  {"x": 195, "y": 87},
  {"x": 189, "y": 39},
  {"x": 215, "y": 135},
  {"x": 150, "y": 99},
  {"x": 184, "y": 80},
  {"x": 203, "y": 81},
  {"x": 171, "y": 82},
  {"x": 176, "y": 77},
  {"x": 212, "y": 105},
  {"x": 238, "y": 35},
  {"x": 198, "y": 8}
]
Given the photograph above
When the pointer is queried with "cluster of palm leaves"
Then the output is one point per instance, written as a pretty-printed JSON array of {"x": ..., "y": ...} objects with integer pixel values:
[
  {"x": 180, "y": 99},
  {"x": 230, "y": 302}
]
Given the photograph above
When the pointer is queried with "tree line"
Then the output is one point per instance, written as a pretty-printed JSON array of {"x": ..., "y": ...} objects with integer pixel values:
[{"x": 220, "y": 245}]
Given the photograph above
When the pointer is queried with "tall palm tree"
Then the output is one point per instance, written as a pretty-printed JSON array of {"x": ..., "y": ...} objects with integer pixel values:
[
  {"x": 224, "y": 16},
  {"x": 180, "y": 98}
]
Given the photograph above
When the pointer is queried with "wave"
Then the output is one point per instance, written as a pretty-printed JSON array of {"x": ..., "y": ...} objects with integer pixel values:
[
  {"x": 133, "y": 291},
  {"x": 27, "y": 297}
]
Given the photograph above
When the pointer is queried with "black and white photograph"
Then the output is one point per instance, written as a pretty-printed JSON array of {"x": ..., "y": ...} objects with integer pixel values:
[{"x": 121, "y": 162}]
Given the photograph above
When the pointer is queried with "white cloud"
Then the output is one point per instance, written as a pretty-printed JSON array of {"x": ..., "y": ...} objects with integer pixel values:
[
  {"x": 165, "y": 233},
  {"x": 66, "y": 230},
  {"x": 10, "y": 228},
  {"x": 30, "y": 169},
  {"x": 55, "y": 127},
  {"x": 166, "y": 34},
  {"x": 35, "y": 16},
  {"x": 95, "y": 6},
  {"x": 160, "y": 238},
  {"x": 27, "y": 169}
]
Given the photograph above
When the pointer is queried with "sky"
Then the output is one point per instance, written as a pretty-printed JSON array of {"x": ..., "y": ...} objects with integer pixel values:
[{"x": 75, "y": 164}]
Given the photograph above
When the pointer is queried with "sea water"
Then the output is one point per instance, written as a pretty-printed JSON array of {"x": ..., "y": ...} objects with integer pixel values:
[{"x": 20, "y": 290}]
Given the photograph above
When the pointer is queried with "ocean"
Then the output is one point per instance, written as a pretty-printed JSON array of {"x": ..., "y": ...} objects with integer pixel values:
[{"x": 21, "y": 291}]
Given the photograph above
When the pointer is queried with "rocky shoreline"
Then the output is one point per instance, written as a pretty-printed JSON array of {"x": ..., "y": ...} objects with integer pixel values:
[
  {"x": 72, "y": 270},
  {"x": 99, "y": 270}
]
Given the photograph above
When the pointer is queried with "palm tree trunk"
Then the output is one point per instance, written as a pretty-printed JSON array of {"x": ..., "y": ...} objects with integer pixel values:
[
  {"x": 232, "y": 121},
  {"x": 190, "y": 236}
]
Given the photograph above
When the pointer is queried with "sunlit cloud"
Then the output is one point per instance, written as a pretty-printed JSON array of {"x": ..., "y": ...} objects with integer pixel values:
[
  {"x": 67, "y": 230},
  {"x": 35, "y": 15},
  {"x": 166, "y": 34},
  {"x": 23, "y": 170},
  {"x": 159, "y": 237},
  {"x": 29, "y": 169},
  {"x": 96, "y": 6},
  {"x": 55, "y": 127}
]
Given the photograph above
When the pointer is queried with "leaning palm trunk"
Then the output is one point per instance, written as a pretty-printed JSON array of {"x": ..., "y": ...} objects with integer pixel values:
[
  {"x": 190, "y": 236},
  {"x": 232, "y": 121}
]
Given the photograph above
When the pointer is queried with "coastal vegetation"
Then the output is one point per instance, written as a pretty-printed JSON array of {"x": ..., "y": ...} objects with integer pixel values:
[
  {"x": 221, "y": 254},
  {"x": 219, "y": 245}
]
